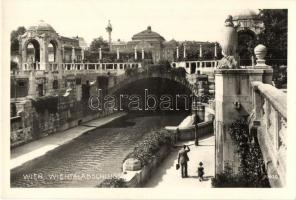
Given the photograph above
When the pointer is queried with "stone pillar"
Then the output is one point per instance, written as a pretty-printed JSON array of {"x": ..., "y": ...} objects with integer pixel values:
[
  {"x": 215, "y": 50},
  {"x": 43, "y": 55},
  {"x": 233, "y": 99},
  {"x": 177, "y": 53},
  {"x": 100, "y": 53},
  {"x": 63, "y": 53},
  {"x": 143, "y": 54},
  {"x": 117, "y": 52},
  {"x": 184, "y": 51},
  {"x": 32, "y": 90},
  {"x": 200, "y": 51},
  {"x": 82, "y": 54},
  {"x": 73, "y": 54},
  {"x": 136, "y": 56}
]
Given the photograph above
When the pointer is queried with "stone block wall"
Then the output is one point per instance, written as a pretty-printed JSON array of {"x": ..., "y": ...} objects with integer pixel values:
[
  {"x": 59, "y": 111},
  {"x": 233, "y": 100}
]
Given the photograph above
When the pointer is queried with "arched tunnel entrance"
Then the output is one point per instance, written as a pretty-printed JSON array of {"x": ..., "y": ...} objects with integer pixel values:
[{"x": 154, "y": 95}]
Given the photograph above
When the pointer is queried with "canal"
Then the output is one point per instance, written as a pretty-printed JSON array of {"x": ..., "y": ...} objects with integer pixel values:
[{"x": 88, "y": 159}]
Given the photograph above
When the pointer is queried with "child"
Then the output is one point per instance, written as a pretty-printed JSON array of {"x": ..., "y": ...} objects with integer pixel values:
[{"x": 200, "y": 171}]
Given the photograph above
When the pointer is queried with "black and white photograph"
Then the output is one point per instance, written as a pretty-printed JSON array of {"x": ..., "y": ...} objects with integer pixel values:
[{"x": 147, "y": 95}]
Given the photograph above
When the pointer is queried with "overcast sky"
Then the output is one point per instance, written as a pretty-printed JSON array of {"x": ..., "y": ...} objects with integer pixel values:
[{"x": 181, "y": 20}]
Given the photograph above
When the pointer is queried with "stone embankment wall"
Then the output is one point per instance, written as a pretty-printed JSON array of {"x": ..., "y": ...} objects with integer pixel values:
[
  {"x": 140, "y": 177},
  {"x": 36, "y": 117}
]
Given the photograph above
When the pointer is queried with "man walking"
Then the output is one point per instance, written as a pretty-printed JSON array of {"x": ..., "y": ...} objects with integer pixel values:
[{"x": 183, "y": 159}]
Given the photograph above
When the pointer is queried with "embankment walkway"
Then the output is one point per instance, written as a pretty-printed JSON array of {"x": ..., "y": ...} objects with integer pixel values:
[
  {"x": 167, "y": 176},
  {"x": 37, "y": 148}
]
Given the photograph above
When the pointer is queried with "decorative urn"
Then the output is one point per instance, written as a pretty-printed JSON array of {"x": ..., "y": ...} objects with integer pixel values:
[
  {"x": 229, "y": 38},
  {"x": 260, "y": 53}
]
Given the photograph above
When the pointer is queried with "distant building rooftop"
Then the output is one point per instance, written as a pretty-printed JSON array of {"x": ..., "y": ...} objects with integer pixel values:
[{"x": 148, "y": 34}]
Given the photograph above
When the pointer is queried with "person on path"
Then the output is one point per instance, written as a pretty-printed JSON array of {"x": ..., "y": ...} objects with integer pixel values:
[
  {"x": 183, "y": 159},
  {"x": 200, "y": 171}
]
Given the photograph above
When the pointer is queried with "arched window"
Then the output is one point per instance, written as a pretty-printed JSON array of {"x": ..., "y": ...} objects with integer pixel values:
[
  {"x": 52, "y": 51},
  {"x": 246, "y": 45},
  {"x": 32, "y": 51}
]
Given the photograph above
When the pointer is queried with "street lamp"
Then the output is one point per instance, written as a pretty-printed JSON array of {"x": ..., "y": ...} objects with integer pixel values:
[
  {"x": 195, "y": 103},
  {"x": 195, "y": 123}
]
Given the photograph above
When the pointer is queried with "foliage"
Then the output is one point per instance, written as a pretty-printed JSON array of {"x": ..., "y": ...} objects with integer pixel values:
[
  {"x": 131, "y": 71},
  {"x": 150, "y": 145},
  {"x": 98, "y": 43},
  {"x": 179, "y": 72},
  {"x": 14, "y": 42},
  {"x": 113, "y": 182},
  {"x": 251, "y": 170},
  {"x": 275, "y": 35},
  {"x": 49, "y": 103},
  {"x": 192, "y": 51},
  {"x": 13, "y": 65},
  {"x": 204, "y": 98}
]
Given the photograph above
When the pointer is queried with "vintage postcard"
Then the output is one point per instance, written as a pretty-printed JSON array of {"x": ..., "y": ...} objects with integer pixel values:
[{"x": 148, "y": 99}]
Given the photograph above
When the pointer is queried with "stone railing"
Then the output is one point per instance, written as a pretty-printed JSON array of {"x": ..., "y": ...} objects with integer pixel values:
[
  {"x": 99, "y": 66},
  {"x": 193, "y": 67},
  {"x": 80, "y": 67},
  {"x": 270, "y": 116}
]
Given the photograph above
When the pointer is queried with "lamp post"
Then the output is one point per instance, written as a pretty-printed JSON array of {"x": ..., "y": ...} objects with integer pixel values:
[
  {"x": 195, "y": 101},
  {"x": 195, "y": 123}
]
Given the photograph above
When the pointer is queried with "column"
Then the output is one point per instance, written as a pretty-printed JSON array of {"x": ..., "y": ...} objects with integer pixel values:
[
  {"x": 117, "y": 52},
  {"x": 200, "y": 51},
  {"x": 136, "y": 56},
  {"x": 215, "y": 50},
  {"x": 63, "y": 53},
  {"x": 143, "y": 54},
  {"x": 177, "y": 53},
  {"x": 100, "y": 53},
  {"x": 184, "y": 52},
  {"x": 73, "y": 54},
  {"x": 82, "y": 54}
]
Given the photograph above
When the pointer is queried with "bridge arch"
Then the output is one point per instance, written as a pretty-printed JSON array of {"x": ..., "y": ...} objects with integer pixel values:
[{"x": 124, "y": 80}]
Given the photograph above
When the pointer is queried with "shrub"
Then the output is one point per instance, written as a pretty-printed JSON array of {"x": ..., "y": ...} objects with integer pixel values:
[
  {"x": 252, "y": 171},
  {"x": 131, "y": 71},
  {"x": 150, "y": 145},
  {"x": 49, "y": 103},
  {"x": 113, "y": 182}
]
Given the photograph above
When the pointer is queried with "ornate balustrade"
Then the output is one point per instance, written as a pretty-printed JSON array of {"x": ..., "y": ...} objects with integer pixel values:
[
  {"x": 193, "y": 67},
  {"x": 99, "y": 66},
  {"x": 81, "y": 67},
  {"x": 270, "y": 109}
]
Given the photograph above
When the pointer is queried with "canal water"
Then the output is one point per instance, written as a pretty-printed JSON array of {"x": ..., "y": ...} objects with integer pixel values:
[{"x": 92, "y": 157}]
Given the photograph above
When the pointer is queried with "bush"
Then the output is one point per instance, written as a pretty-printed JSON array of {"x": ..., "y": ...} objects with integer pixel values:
[
  {"x": 49, "y": 103},
  {"x": 179, "y": 72},
  {"x": 252, "y": 171},
  {"x": 131, "y": 71},
  {"x": 113, "y": 182},
  {"x": 150, "y": 145}
]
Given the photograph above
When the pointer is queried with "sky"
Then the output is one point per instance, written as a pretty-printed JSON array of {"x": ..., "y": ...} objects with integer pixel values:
[{"x": 173, "y": 19}]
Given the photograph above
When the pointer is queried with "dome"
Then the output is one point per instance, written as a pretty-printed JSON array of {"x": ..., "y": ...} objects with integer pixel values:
[
  {"x": 245, "y": 14},
  {"x": 172, "y": 42},
  {"x": 41, "y": 26},
  {"x": 147, "y": 34}
]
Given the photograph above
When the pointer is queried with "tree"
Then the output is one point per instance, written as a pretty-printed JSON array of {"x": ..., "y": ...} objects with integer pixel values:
[
  {"x": 99, "y": 43},
  {"x": 14, "y": 42},
  {"x": 275, "y": 35}
]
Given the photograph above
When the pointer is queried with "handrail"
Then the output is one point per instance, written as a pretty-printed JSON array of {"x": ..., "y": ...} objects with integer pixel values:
[{"x": 276, "y": 97}]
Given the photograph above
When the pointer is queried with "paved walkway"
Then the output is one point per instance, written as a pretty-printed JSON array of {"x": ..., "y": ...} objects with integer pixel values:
[
  {"x": 167, "y": 175},
  {"x": 37, "y": 148}
]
